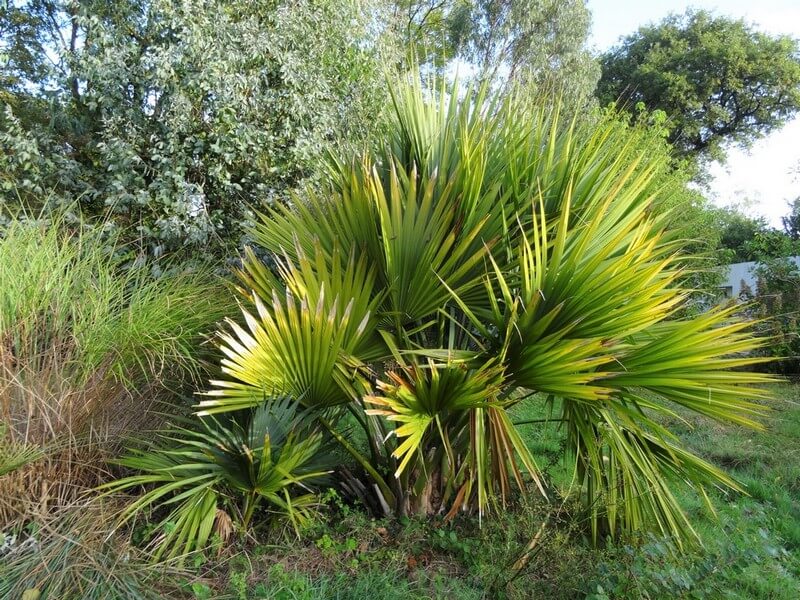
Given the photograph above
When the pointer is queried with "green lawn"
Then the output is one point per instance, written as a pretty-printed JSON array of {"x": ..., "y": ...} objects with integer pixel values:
[{"x": 751, "y": 549}]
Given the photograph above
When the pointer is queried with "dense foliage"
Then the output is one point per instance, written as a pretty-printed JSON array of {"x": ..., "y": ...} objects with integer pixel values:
[
  {"x": 742, "y": 238},
  {"x": 791, "y": 222},
  {"x": 475, "y": 262},
  {"x": 718, "y": 80},
  {"x": 174, "y": 118},
  {"x": 774, "y": 301}
]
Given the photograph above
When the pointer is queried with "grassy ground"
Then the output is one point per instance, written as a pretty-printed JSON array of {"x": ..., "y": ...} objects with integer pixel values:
[{"x": 751, "y": 548}]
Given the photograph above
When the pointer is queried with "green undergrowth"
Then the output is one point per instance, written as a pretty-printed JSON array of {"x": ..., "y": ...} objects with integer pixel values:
[
  {"x": 353, "y": 556},
  {"x": 533, "y": 549},
  {"x": 750, "y": 542}
]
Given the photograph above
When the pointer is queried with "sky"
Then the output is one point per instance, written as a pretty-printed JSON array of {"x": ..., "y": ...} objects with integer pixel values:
[{"x": 762, "y": 180}]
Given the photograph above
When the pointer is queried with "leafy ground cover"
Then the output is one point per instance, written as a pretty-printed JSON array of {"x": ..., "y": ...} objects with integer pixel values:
[{"x": 751, "y": 548}]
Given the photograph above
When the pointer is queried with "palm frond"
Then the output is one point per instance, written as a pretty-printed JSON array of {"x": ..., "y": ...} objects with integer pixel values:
[{"x": 265, "y": 454}]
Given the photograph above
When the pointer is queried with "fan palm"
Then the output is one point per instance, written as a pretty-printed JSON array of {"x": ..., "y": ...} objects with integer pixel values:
[
  {"x": 486, "y": 255},
  {"x": 269, "y": 455}
]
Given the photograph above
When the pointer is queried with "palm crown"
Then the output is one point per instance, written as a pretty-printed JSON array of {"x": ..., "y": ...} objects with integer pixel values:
[{"x": 486, "y": 255}]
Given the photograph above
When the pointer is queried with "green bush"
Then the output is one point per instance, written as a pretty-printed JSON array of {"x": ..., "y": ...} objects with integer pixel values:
[{"x": 186, "y": 115}]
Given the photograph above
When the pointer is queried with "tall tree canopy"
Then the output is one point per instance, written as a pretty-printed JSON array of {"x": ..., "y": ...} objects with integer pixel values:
[
  {"x": 175, "y": 117},
  {"x": 538, "y": 42},
  {"x": 718, "y": 79}
]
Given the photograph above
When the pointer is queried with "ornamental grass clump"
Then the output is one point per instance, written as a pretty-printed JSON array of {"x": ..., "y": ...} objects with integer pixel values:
[
  {"x": 75, "y": 552},
  {"x": 89, "y": 345}
]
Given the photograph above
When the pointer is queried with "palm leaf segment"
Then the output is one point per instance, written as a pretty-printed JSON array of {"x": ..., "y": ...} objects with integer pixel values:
[
  {"x": 267, "y": 455},
  {"x": 485, "y": 249}
]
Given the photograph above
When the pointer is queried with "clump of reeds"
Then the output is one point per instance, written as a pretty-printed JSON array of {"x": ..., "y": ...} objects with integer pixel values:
[
  {"x": 75, "y": 553},
  {"x": 89, "y": 344}
]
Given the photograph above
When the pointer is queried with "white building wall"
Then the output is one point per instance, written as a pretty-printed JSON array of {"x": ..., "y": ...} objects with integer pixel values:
[{"x": 739, "y": 273}]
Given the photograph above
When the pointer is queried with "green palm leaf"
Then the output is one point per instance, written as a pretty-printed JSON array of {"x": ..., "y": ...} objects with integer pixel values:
[{"x": 266, "y": 454}]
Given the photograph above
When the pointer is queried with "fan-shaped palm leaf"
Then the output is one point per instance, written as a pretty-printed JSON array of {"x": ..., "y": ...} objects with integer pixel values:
[{"x": 266, "y": 454}]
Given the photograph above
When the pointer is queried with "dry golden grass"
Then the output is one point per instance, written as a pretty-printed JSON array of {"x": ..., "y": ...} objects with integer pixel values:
[{"x": 88, "y": 349}]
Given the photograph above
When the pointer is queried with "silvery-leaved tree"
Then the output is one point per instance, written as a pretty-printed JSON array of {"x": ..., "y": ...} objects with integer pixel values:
[
  {"x": 487, "y": 255},
  {"x": 174, "y": 117}
]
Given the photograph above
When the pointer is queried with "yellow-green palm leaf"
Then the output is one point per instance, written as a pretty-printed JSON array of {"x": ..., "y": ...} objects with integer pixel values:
[{"x": 486, "y": 253}]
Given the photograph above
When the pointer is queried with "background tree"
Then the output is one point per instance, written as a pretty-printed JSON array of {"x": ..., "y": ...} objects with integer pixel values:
[
  {"x": 742, "y": 238},
  {"x": 175, "y": 117},
  {"x": 791, "y": 222},
  {"x": 539, "y": 42},
  {"x": 775, "y": 303},
  {"x": 737, "y": 233},
  {"x": 718, "y": 79},
  {"x": 433, "y": 31}
]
